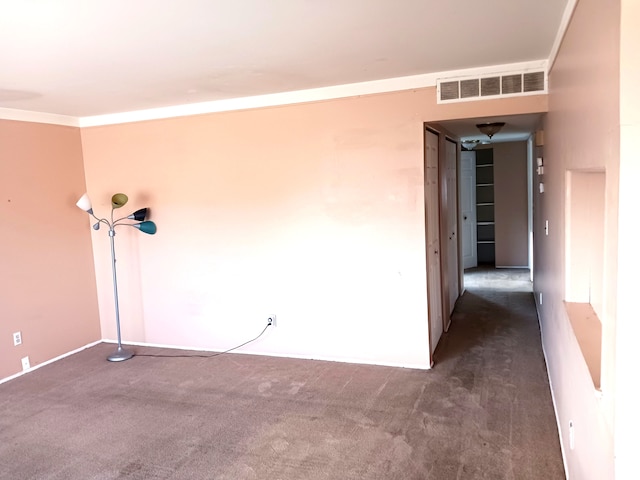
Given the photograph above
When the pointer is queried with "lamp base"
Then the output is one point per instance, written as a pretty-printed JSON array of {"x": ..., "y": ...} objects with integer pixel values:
[{"x": 120, "y": 355}]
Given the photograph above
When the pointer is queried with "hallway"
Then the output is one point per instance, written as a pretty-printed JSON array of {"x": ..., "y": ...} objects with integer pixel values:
[{"x": 492, "y": 357}]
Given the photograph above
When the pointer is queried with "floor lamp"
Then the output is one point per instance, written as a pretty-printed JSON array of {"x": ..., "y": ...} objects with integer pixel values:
[{"x": 136, "y": 220}]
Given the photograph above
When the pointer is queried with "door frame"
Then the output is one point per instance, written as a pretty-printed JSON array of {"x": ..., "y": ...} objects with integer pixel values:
[{"x": 471, "y": 192}]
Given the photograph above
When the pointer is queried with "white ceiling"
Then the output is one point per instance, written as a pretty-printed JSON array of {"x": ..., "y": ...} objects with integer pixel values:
[{"x": 84, "y": 58}]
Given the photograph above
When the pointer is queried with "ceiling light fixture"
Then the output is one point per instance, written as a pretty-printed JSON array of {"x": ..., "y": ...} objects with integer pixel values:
[
  {"x": 490, "y": 129},
  {"x": 470, "y": 144}
]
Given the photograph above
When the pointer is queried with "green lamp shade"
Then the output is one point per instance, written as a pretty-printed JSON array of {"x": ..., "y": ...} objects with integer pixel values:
[
  {"x": 139, "y": 215},
  {"x": 119, "y": 200},
  {"x": 147, "y": 227}
]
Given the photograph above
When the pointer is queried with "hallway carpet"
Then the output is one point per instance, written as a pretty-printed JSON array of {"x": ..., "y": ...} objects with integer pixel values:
[{"x": 483, "y": 412}]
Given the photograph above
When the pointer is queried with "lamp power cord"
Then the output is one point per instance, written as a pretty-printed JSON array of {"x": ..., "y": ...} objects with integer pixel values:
[{"x": 200, "y": 355}]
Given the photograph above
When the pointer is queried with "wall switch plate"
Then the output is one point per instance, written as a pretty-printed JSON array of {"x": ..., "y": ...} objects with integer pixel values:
[
  {"x": 26, "y": 365},
  {"x": 540, "y": 298},
  {"x": 572, "y": 436},
  {"x": 271, "y": 320},
  {"x": 17, "y": 338},
  {"x": 546, "y": 227}
]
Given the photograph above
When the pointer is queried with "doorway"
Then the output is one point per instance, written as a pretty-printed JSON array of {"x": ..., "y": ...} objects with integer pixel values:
[
  {"x": 499, "y": 204},
  {"x": 496, "y": 217}
]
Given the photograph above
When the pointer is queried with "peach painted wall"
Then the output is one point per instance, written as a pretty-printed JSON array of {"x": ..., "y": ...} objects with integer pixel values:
[
  {"x": 313, "y": 212},
  {"x": 581, "y": 132},
  {"x": 511, "y": 204},
  {"x": 627, "y": 422},
  {"x": 47, "y": 284}
]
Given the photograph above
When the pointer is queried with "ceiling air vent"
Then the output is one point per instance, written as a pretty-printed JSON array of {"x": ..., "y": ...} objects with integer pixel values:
[
  {"x": 469, "y": 88},
  {"x": 511, "y": 84},
  {"x": 534, "y": 82},
  {"x": 449, "y": 90},
  {"x": 491, "y": 86}
]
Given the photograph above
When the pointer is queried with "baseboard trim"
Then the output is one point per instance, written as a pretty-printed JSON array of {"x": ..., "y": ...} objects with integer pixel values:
[
  {"x": 243, "y": 352},
  {"x": 553, "y": 397},
  {"x": 59, "y": 357},
  {"x": 425, "y": 366}
]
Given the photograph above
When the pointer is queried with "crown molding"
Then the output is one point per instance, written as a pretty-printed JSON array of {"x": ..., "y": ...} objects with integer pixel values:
[
  {"x": 38, "y": 117},
  {"x": 270, "y": 100},
  {"x": 302, "y": 96},
  {"x": 564, "y": 25},
  {"x": 262, "y": 101}
]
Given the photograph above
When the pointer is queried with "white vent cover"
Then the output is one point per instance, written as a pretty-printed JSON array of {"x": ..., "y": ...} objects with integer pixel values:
[{"x": 495, "y": 85}]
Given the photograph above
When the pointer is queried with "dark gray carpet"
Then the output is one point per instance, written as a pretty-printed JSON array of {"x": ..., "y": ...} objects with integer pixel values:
[{"x": 483, "y": 412}]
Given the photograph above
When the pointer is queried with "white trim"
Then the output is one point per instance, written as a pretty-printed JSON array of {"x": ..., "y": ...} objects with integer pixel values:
[
  {"x": 530, "y": 187},
  {"x": 262, "y": 101},
  {"x": 60, "y": 357},
  {"x": 480, "y": 98},
  {"x": 495, "y": 71},
  {"x": 482, "y": 72},
  {"x": 270, "y": 100},
  {"x": 304, "y": 96},
  {"x": 38, "y": 117},
  {"x": 562, "y": 30},
  {"x": 280, "y": 355},
  {"x": 553, "y": 397}
]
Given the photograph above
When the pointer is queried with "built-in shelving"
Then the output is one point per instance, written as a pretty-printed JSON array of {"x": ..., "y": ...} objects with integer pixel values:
[{"x": 485, "y": 213}]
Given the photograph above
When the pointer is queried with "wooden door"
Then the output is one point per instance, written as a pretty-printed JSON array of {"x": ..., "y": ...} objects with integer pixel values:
[
  {"x": 451, "y": 235},
  {"x": 432, "y": 212}
]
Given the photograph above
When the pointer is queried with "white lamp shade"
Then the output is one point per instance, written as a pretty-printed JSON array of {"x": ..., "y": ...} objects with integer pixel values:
[{"x": 84, "y": 203}]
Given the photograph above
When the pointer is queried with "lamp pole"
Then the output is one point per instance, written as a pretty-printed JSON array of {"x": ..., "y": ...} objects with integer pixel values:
[
  {"x": 118, "y": 200},
  {"x": 120, "y": 354}
]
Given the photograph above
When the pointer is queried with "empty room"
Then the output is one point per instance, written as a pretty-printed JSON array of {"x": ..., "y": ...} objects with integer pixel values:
[{"x": 341, "y": 239}]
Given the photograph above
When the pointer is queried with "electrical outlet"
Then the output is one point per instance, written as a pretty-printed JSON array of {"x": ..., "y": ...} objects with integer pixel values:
[
  {"x": 271, "y": 321},
  {"x": 26, "y": 365},
  {"x": 17, "y": 338}
]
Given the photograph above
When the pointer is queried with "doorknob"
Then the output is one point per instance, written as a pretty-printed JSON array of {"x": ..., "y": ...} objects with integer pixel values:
[{"x": 465, "y": 217}]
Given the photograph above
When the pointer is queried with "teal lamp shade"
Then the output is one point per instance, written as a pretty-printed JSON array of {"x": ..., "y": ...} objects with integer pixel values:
[
  {"x": 85, "y": 203},
  {"x": 119, "y": 200},
  {"x": 147, "y": 227},
  {"x": 139, "y": 215}
]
